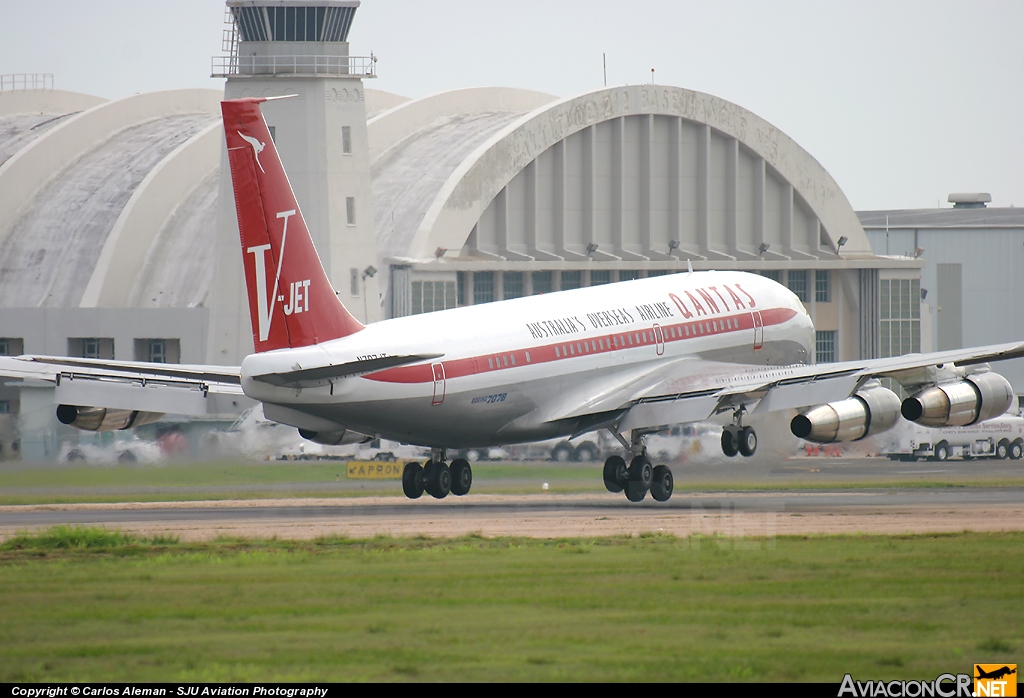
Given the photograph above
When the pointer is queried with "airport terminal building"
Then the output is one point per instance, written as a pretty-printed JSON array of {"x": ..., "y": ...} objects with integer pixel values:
[{"x": 117, "y": 223}]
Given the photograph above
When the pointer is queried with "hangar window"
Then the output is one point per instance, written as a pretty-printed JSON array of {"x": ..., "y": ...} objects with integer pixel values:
[
  {"x": 11, "y": 346},
  {"x": 628, "y": 274},
  {"x": 600, "y": 278},
  {"x": 350, "y": 209},
  {"x": 541, "y": 282},
  {"x": 825, "y": 346},
  {"x": 5, "y": 406},
  {"x": 158, "y": 350},
  {"x": 483, "y": 287},
  {"x": 656, "y": 272},
  {"x": 822, "y": 286},
  {"x": 571, "y": 280},
  {"x": 900, "y": 311},
  {"x": 773, "y": 274},
  {"x": 273, "y": 133},
  {"x": 428, "y": 296},
  {"x": 512, "y": 284},
  {"x": 91, "y": 347},
  {"x": 797, "y": 283},
  {"x": 346, "y": 140},
  {"x": 353, "y": 282}
]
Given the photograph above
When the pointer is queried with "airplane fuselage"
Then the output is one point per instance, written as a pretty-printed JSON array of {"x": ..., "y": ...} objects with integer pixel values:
[{"x": 518, "y": 370}]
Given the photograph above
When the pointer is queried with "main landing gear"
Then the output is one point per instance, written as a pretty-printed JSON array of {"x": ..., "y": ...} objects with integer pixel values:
[
  {"x": 436, "y": 478},
  {"x": 737, "y": 438},
  {"x": 639, "y": 477}
]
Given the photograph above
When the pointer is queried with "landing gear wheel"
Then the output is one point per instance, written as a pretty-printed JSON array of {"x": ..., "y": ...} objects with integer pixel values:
[
  {"x": 563, "y": 452},
  {"x": 462, "y": 476},
  {"x": 640, "y": 477},
  {"x": 615, "y": 474},
  {"x": 941, "y": 451},
  {"x": 1016, "y": 450},
  {"x": 730, "y": 441},
  {"x": 412, "y": 480},
  {"x": 661, "y": 486},
  {"x": 438, "y": 479},
  {"x": 748, "y": 441},
  {"x": 1003, "y": 449}
]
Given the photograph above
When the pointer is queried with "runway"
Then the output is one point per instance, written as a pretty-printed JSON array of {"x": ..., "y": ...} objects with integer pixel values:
[{"x": 755, "y": 515}]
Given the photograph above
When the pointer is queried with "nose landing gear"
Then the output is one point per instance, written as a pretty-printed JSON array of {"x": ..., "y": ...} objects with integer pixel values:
[{"x": 436, "y": 478}]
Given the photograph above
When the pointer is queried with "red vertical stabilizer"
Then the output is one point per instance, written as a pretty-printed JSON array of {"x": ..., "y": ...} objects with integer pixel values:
[{"x": 291, "y": 302}]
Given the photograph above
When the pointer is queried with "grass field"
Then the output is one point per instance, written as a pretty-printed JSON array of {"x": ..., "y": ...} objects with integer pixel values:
[
  {"x": 32, "y": 484},
  {"x": 89, "y": 605}
]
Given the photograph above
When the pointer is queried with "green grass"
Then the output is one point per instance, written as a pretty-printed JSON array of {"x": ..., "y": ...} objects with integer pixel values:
[
  {"x": 628, "y": 609},
  {"x": 30, "y": 484}
]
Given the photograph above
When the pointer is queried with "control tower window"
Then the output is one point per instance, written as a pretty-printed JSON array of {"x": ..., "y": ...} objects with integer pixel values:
[{"x": 293, "y": 23}]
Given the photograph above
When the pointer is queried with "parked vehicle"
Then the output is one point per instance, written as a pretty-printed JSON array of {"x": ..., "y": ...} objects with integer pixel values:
[{"x": 1002, "y": 437}]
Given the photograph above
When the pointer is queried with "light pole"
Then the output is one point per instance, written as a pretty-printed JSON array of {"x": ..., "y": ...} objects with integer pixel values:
[{"x": 370, "y": 271}]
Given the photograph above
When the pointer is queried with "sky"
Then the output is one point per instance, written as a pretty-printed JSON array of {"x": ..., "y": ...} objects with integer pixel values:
[{"x": 902, "y": 101}]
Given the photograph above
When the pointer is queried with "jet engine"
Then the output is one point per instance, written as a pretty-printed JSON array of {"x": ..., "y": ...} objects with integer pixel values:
[
  {"x": 871, "y": 410},
  {"x": 334, "y": 438},
  {"x": 978, "y": 397},
  {"x": 103, "y": 418}
]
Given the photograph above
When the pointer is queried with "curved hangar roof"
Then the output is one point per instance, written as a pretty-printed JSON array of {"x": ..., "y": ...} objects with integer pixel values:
[{"x": 634, "y": 170}]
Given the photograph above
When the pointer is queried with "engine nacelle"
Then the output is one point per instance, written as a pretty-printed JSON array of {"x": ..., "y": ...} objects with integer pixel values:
[
  {"x": 103, "y": 418},
  {"x": 334, "y": 438},
  {"x": 870, "y": 410},
  {"x": 978, "y": 397}
]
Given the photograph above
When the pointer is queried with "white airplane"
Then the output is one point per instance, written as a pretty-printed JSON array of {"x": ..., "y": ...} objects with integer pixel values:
[{"x": 632, "y": 357}]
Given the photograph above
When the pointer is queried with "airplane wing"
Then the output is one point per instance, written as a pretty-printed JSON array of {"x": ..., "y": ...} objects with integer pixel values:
[
  {"x": 684, "y": 397},
  {"x": 186, "y": 389}
]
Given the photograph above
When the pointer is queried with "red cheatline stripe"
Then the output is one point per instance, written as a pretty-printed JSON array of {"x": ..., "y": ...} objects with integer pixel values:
[{"x": 575, "y": 347}]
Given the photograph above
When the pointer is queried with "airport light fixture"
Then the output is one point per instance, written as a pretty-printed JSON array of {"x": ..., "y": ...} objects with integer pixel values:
[
  {"x": 673, "y": 245},
  {"x": 762, "y": 249},
  {"x": 439, "y": 252},
  {"x": 591, "y": 249},
  {"x": 842, "y": 241},
  {"x": 918, "y": 252}
]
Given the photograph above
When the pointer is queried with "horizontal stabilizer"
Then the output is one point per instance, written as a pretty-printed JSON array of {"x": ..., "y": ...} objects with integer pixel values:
[{"x": 322, "y": 375}]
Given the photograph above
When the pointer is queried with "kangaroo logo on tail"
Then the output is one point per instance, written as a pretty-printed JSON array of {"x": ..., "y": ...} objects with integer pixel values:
[{"x": 257, "y": 149}]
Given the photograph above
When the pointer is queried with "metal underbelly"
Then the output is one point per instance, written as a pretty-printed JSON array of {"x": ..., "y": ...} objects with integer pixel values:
[{"x": 477, "y": 410}]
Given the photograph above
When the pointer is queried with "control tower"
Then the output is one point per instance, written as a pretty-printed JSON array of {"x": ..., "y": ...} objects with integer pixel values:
[{"x": 300, "y": 47}]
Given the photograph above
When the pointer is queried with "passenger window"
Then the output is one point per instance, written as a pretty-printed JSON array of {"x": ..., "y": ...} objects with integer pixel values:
[
  {"x": 557, "y": 353},
  {"x": 527, "y": 357},
  {"x": 586, "y": 346},
  {"x": 506, "y": 360},
  {"x": 600, "y": 344},
  {"x": 714, "y": 326},
  {"x": 630, "y": 338},
  {"x": 572, "y": 350},
  {"x": 513, "y": 359},
  {"x": 490, "y": 362},
  {"x": 579, "y": 348}
]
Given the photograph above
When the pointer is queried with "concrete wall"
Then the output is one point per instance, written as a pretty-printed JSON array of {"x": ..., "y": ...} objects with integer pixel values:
[
  {"x": 152, "y": 203},
  {"x": 26, "y": 172},
  {"x": 991, "y": 260},
  {"x": 46, "y": 330}
]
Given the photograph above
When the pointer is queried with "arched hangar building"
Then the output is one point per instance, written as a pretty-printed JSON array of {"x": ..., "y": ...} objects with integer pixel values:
[{"x": 118, "y": 238}]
